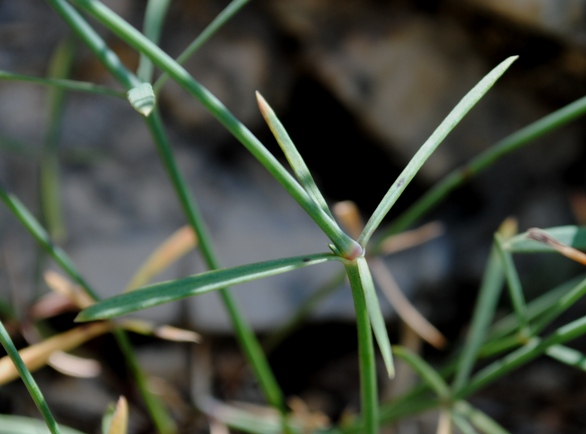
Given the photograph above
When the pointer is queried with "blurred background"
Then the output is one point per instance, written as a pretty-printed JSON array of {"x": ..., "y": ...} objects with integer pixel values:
[{"x": 360, "y": 85}]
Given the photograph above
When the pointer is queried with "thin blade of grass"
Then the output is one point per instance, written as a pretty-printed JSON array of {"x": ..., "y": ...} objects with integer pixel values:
[
  {"x": 514, "y": 285},
  {"x": 520, "y": 357},
  {"x": 292, "y": 154},
  {"x": 455, "y": 116},
  {"x": 490, "y": 289},
  {"x": 567, "y": 355},
  {"x": 166, "y": 292},
  {"x": 479, "y": 419},
  {"x": 503, "y": 147},
  {"x": 375, "y": 314},
  {"x": 535, "y": 308},
  {"x": 28, "y": 380},
  {"x": 72, "y": 85},
  {"x": 346, "y": 245},
  {"x": 42, "y": 237},
  {"x": 429, "y": 375},
  {"x": 366, "y": 357},
  {"x": 154, "y": 16},
  {"x": 218, "y": 22},
  {"x": 559, "y": 306},
  {"x": 573, "y": 236}
]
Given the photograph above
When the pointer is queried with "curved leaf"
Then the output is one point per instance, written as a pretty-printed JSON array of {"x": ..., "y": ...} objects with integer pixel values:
[{"x": 574, "y": 236}]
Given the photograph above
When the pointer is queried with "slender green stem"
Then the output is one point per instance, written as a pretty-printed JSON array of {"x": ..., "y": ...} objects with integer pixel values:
[
  {"x": 346, "y": 245},
  {"x": 460, "y": 176},
  {"x": 79, "y": 86},
  {"x": 218, "y": 22},
  {"x": 244, "y": 332},
  {"x": 368, "y": 384},
  {"x": 514, "y": 285},
  {"x": 28, "y": 380},
  {"x": 154, "y": 17}
]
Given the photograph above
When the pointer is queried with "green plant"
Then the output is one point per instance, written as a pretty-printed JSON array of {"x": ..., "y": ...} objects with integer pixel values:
[{"x": 512, "y": 342}]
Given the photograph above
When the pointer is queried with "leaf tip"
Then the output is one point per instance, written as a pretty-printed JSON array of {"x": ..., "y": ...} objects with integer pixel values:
[{"x": 263, "y": 105}]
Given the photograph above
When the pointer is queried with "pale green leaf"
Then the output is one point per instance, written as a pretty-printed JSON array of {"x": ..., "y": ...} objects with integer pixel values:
[
  {"x": 429, "y": 146},
  {"x": 166, "y": 292},
  {"x": 292, "y": 154},
  {"x": 377, "y": 320}
]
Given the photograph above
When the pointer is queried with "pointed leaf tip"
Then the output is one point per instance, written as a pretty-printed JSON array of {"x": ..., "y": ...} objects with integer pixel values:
[{"x": 142, "y": 98}]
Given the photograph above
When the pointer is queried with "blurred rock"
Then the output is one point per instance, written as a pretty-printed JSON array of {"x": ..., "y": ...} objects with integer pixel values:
[{"x": 561, "y": 18}]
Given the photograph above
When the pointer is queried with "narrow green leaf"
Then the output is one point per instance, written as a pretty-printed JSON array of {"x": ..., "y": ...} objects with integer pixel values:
[
  {"x": 490, "y": 289},
  {"x": 574, "y": 236},
  {"x": 165, "y": 292},
  {"x": 78, "y": 86},
  {"x": 154, "y": 17},
  {"x": 218, "y": 22},
  {"x": 28, "y": 381},
  {"x": 479, "y": 419},
  {"x": 429, "y": 146},
  {"x": 513, "y": 283},
  {"x": 375, "y": 314},
  {"x": 534, "y": 348},
  {"x": 142, "y": 98},
  {"x": 292, "y": 154},
  {"x": 480, "y": 163},
  {"x": 40, "y": 235},
  {"x": 430, "y": 375},
  {"x": 567, "y": 355},
  {"x": 560, "y": 306},
  {"x": 535, "y": 308},
  {"x": 10, "y": 424},
  {"x": 349, "y": 248}
]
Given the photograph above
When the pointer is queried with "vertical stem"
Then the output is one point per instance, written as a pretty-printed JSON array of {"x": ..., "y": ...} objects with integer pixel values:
[{"x": 368, "y": 385}]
